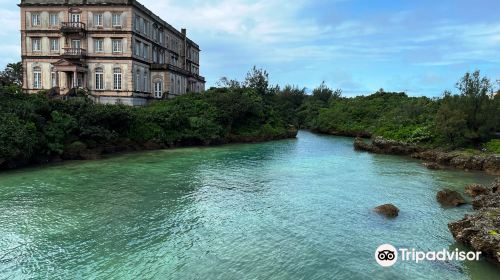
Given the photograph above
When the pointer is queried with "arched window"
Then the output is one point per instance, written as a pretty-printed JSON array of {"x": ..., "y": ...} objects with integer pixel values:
[
  {"x": 99, "y": 78},
  {"x": 37, "y": 77},
  {"x": 158, "y": 88},
  {"x": 117, "y": 78}
]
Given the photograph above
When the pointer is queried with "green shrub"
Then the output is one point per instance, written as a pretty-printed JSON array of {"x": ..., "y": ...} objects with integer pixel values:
[{"x": 493, "y": 146}]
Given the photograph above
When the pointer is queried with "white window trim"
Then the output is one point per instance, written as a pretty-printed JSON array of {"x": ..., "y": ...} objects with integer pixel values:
[
  {"x": 117, "y": 79},
  {"x": 51, "y": 40},
  {"x": 99, "y": 19},
  {"x": 75, "y": 17},
  {"x": 54, "y": 16},
  {"x": 158, "y": 89},
  {"x": 118, "y": 43},
  {"x": 36, "y": 19},
  {"x": 99, "y": 79},
  {"x": 38, "y": 45},
  {"x": 116, "y": 16},
  {"x": 37, "y": 78},
  {"x": 98, "y": 42}
]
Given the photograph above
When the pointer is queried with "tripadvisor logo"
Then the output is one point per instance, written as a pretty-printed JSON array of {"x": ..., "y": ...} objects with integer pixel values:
[{"x": 387, "y": 255}]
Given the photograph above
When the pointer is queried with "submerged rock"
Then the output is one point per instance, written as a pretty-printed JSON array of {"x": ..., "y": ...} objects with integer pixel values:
[
  {"x": 431, "y": 165},
  {"x": 474, "y": 190},
  {"x": 449, "y": 198},
  {"x": 387, "y": 210}
]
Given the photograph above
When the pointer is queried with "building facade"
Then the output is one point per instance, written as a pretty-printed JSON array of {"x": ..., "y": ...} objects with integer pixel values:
[{"x": 118, "y": 50}]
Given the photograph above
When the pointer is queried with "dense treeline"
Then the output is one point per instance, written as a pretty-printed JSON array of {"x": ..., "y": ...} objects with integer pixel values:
[
  {"x": 468, "y": 119},
  {"x": 36, "y": 128}
]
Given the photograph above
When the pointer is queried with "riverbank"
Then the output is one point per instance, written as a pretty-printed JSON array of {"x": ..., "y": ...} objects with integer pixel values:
[
  {"x": 83, "y": 152},
  {"x": 489, "y": 163},
  {"x": 37, "y": 129}
]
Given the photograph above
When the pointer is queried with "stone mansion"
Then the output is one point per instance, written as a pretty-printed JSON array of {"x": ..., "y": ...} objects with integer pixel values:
[{"x": 118, "y": 50}]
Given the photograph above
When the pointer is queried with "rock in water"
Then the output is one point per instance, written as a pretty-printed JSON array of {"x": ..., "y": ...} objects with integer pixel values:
[
  {"x": 387, "y": 210},
  {"x": 474, "y": 190},
  {"x": 431, "y": 165},
  {"x": 448, "y": 197}
]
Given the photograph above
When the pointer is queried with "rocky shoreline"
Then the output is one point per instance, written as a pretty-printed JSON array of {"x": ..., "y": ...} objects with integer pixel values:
[
  {"x": 434, "y": 159},
  {"x": 480, "y": 231},
  {"x": 85, "y": 152}
]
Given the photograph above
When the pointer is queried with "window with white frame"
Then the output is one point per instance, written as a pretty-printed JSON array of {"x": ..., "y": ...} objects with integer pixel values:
[
  {"x": 37, "y": 77},
  {"x": 75, "y": 17},
  {"x": 35, "y": 19},
  {"x": 53, "y": 78},
  {"x": 145, "y": 81},
  {"x": 98, "y": 19},
  {"x": 54, "y": 44},
  {"x": 99, "y": 78},
  {"x": 117, "y": 20},
  {"x": 54, "y": 19},
  {"x": 36, "y": 44},
  {"x": 98, "y": 45},
  {"x": 117, "y": 78},
  {"x": 158, "y": 90},
  {"x": 117, "y": 45}
]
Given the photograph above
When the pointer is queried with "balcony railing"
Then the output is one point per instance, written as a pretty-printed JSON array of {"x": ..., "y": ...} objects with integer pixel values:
[
  {"x": 69, "y": 27},
  {"x": 74, "y": 52}
]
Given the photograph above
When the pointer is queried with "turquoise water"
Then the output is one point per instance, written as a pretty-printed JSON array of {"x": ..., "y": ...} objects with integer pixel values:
[{"x": 292, "y": 209}]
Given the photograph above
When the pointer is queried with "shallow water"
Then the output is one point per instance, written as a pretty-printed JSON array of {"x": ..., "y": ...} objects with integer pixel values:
[{"x": 292, "y": 209}]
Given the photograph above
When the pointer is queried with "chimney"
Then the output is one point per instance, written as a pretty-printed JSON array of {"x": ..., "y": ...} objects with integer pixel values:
[{"x": 184, "y": 32}]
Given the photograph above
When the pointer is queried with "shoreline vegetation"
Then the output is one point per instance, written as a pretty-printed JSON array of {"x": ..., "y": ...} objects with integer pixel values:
[
  {"x": 37, "y": 129},
  {"x": 458, "y": 130}
]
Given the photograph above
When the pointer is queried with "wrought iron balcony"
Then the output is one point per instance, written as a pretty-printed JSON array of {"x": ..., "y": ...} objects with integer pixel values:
[
  {"x": 74, "y": 52},
  {"x": 72, "y": 27}
]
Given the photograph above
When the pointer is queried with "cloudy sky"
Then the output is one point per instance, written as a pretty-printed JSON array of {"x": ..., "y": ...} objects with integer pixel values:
[{"x": 421, "y": 47}]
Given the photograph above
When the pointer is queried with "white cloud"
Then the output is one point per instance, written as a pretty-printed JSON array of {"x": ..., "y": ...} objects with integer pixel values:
[{"x": 9, "y": 21}]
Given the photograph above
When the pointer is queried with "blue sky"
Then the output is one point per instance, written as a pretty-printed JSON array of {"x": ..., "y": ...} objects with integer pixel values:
[{"x": 421, "y": 47}]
